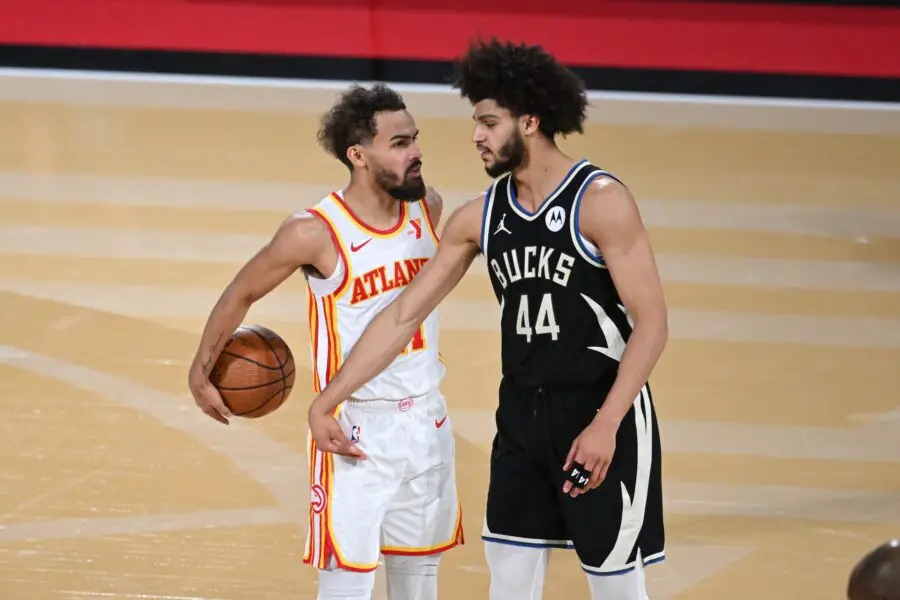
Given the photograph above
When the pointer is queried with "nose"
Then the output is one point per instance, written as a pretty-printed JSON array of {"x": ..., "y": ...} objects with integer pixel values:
[{"x": 478, "y": 134}]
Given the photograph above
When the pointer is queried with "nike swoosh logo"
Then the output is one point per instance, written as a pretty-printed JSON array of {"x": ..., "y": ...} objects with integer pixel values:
[
  {"x": 440, "y": 423},
  {"x": 355, "y": 248}
]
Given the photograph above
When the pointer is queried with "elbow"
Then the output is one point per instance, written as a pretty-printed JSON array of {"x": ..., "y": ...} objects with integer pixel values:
[
  {"x": 239, "y": 298},
  {"x": 403, "y": 318},
  {"x": 655, "y": 325},
  {"x": 661, "y": 328},
  {"x": 664, "y": 331}
]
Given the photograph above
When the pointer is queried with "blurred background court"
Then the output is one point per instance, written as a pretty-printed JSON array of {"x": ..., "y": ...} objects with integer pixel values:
[{"x": 147, "y": 149}]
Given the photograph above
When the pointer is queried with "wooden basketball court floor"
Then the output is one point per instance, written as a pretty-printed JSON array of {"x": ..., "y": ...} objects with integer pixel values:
[{"x": 128, "y": 202}]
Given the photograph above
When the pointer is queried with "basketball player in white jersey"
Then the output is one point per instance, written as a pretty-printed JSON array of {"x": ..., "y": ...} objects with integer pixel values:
[
  {"x": 576, "y": 460},
  {"x": 394, "y": 493}
]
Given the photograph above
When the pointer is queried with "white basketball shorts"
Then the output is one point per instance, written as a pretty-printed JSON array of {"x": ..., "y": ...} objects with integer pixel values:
[{"x": 401, "y": 500}]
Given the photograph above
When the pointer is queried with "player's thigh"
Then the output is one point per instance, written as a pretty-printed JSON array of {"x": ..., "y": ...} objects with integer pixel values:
[
  {"x": 349, "y": 498},
  {"x": 522, "y": 504},
  {"x": 424, "y": 515},
  {"x": 614, "y": 524}
]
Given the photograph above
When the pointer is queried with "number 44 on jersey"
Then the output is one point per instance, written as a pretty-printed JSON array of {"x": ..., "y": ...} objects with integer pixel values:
[{"x": 544, "y": 324}]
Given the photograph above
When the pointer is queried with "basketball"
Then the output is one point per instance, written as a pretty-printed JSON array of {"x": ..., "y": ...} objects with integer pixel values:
[
  {"x": 254, "y": 372},
  {"x": 877, "y": 574}
]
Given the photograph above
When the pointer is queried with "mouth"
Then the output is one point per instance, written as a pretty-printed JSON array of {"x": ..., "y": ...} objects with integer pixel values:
[{"x": 415, "y": 171}]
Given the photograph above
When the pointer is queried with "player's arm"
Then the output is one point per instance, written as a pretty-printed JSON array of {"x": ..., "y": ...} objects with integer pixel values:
[
  {"x": 298, "y": 241},
  {"x": 610, "y": 219},
  {"x": 393, "y": 328}
]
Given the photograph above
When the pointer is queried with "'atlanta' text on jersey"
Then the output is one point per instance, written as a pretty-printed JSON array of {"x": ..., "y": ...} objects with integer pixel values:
[{"x": 562, "y": 320}]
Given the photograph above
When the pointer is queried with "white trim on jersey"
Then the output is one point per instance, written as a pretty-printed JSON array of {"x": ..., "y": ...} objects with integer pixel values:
[
  {"x": 486, "y": 217},
  {"x": 519, "y": 210},
  {"x": 585, "y": 248}
]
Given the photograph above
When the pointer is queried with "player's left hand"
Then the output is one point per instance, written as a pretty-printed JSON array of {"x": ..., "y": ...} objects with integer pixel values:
[{"x": 593, "y": 448}]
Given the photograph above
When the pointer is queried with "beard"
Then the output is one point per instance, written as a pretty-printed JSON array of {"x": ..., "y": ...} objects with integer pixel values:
[
  {"x": 510, "y": 157},
  {"x": 408, "y": 189}
]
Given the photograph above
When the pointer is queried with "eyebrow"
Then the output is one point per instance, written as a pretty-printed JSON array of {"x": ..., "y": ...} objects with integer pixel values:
[
  {"x": 484, "y": 116},
  {"x": 402, "y": 136}
]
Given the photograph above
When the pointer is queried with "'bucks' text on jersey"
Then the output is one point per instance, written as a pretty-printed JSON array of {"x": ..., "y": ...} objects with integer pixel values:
[{"x": 562, "y": 321}]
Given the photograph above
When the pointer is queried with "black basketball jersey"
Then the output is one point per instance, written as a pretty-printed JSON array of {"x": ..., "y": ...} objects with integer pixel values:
[{"x": 562, "y": 323}]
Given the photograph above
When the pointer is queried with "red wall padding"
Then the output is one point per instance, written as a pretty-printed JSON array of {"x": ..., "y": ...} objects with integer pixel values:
[{"x": 619, "y": 33}]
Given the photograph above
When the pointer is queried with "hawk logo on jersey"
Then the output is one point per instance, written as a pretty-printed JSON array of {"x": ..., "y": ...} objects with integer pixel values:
[
  {"x": 556, "y": 218},
  {"x": 385, "y": 278},
  {"x": 501, "y": 226},
  {"x": 317, "y": 499}
]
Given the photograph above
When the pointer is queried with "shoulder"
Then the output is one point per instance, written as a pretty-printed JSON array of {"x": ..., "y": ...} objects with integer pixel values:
[
  {"x": 605, "y": 194},
  {"x": 302, "y": 232},
  {"x": 435, "y": 204},
  {"x": 464, "y": 224},
  {"x": 608, "y": 208},
  {"x": 473, "y": 206}
]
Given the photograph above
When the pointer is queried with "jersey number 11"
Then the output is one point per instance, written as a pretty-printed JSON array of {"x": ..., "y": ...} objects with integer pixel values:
[{"x": 417, "y": 343}]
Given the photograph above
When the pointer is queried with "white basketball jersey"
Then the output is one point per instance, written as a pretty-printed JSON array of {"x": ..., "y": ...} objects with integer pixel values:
[{"x": 374, "y": 266}]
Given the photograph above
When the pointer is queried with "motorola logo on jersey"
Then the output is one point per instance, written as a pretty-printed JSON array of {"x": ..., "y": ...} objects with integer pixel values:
[
  {"x": 533, "y": 262},
  {"x": 556, "y": 218}
]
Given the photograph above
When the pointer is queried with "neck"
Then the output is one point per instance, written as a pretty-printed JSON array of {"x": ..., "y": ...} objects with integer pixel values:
[
  {"x": 371, "y": 203},
  {"x": 546, "y": 167}
]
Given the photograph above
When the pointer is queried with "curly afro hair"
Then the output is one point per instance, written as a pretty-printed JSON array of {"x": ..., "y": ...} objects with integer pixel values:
[
  {"x": 525, "y": 80},
  {"x": 351, "y": 120}
]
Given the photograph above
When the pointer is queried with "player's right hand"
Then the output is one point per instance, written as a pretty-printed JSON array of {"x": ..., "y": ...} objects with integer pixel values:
[
  {"x": 329, "y": 436},
  {"x": 209, "y": 400}
]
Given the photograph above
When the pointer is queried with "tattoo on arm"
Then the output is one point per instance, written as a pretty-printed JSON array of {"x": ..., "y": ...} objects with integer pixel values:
[{"x": 208, "y": 363}]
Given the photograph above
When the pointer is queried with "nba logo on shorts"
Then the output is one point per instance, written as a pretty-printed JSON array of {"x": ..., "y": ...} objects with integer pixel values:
[{"x": 354, "y": 435}]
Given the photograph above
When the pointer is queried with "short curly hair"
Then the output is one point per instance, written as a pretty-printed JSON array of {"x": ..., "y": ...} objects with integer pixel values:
[
  {"x": 351, "y": 120},
  {"x": 525, "y": 80}
]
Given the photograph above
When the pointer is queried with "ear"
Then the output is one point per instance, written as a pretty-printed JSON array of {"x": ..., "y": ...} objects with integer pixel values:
[
  {"x": 356, "y": 157},
  {"x": 529, "y": 124}
]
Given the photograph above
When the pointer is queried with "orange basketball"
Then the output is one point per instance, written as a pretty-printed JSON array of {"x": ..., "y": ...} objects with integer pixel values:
[{"x": 254, "y": 372}]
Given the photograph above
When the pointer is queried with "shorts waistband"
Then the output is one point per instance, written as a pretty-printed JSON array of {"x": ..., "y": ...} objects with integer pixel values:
[{"x": 384, "y": 405}]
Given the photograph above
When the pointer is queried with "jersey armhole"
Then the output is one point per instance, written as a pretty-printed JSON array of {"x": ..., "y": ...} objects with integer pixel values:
[
  {"x": 344, "y": 277},
  {"x": 426, "y": 214},
  {"x": 486, "y": 216},
  {"x": 586, "y": 249}
]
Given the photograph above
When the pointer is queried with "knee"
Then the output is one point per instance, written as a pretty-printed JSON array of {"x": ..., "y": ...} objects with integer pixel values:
[
  {"x": 337, "y": 584},
  {"x": 516, "y": 571},
  {"x": 412, "y": 566}
]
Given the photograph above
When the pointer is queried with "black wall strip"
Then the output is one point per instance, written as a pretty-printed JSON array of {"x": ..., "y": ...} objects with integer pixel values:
[{"x": 419, "y": 71}]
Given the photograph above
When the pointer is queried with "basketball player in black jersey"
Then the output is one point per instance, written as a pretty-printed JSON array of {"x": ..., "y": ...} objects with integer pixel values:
[{"x": 576, "y": 459}]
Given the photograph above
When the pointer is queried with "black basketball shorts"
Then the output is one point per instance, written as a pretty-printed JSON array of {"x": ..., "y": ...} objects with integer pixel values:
[{"x": 611, "y": 527}]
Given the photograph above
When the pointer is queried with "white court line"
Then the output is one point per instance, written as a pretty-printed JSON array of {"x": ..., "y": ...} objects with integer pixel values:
[
  {"x": 145, "y": 302},
  {"x": 872, "y": 441},
  {"x": 217, "y": 92},
  {"x": 288, "y": 197},
  {"x": 277, "y": 468},
  {"x": 235, "y": 248},
  {"x": 338, "y": 85}
]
